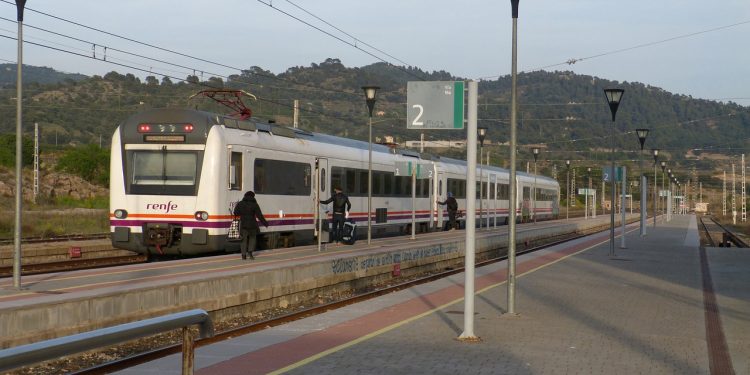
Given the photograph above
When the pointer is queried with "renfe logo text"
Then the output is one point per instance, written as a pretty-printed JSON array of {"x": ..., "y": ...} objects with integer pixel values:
[{"x": 166, "y": 207}]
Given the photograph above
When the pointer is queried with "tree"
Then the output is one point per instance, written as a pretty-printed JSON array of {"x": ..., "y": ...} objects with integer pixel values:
[
  {"x": 8, "y": 150},
  {"x": 90, "y": 162}
]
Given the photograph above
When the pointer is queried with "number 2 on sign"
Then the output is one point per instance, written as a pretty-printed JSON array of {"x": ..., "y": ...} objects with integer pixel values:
[{"x": 416, "y": 121}]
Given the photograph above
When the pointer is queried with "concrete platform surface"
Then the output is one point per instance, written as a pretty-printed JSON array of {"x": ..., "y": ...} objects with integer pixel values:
[{"x": 579, "y": 311}]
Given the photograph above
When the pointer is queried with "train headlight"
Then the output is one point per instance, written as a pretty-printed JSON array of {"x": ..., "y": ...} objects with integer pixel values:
[
  {"x": 121, "y": 214},
  {"x": 201, "y": 215}
]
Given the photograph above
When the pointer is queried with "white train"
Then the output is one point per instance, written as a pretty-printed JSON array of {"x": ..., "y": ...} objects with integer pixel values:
[{"x": 176, "y": 175}]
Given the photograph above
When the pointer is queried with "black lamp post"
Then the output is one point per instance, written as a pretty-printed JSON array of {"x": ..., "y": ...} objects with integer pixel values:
[
  {"x": 656, "y": 162},
  {"x": 664, "y": 204},
  {"x": 370, "y": 93},
  {"x": 534, "y": 151},
  {"x": 567, "y": 190},
  {"x": 642, "y": 134},
  {"x": 481, "y": 133},
  {"x": 613, "y": 99},
  {"x": 588, "y": 175}
]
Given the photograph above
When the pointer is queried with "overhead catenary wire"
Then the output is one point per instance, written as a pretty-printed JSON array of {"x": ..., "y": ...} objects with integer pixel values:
[
  {"x": 165, "y": 75},
  {"x": 270, "y": 4},
  {"x": 274, "y": 77},
  {"x": 620, "y": 50},
  {"x": 347, "y": 34}
]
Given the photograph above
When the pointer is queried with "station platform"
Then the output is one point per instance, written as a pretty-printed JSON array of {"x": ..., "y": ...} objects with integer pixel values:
[
  {"x": 63, "y": 303},
  {"x": 661, "y": 305}
]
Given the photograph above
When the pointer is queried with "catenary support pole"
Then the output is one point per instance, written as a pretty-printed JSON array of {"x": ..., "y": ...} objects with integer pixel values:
[
  {"x": 513, "y": 201},
  {"x": 19, "y": 151},
  {"x": 471, "y": 190}
]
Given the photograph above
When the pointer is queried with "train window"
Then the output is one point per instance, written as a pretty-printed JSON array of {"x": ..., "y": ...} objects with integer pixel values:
[
  {"x": 351, "y": 182},
  {"x": 526, "y": 192},
  {"x": 504, "y": 192},
  {"x": 440, "y": 188},
  {"x": 388, "y": 184},
  {"x": 235, "y": 171},
  {"x": 457, "y": 187},
  {"x": 337, "y": 177},
  {"x": 162, "y": 172},
  {"x": 280, "y": 177},
  {"x": 363, "y": 182},
  {"x": 377, "y": 178}
]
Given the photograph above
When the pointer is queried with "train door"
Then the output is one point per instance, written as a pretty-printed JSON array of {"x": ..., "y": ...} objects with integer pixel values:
[
  {"x": 439, "y": 189},
  {"x": 321, "y": 193}
]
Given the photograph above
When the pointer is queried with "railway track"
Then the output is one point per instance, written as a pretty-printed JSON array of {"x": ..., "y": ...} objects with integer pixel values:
[
  {"x": 60, "y": 238},
  {"x": 137, "y": 359},
  {"x": 716, "y": 235},
  {"x": 69, "y": 265}
]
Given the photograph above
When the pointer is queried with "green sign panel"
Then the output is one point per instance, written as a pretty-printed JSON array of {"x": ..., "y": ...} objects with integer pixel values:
[
  {"x": 607, "y": 174},
  {"x": 435, "y": 105}
]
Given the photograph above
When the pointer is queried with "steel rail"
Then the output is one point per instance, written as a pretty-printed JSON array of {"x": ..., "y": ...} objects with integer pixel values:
[{"x": 70, "y": 265}]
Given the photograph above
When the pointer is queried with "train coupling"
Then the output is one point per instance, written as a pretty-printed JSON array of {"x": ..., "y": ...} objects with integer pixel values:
[{"x": 161, "y": 234}]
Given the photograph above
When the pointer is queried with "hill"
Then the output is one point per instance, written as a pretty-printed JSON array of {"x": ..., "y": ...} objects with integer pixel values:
[
  {"x": 35, "y": 74},
  {"x": 564, "y": 112}
]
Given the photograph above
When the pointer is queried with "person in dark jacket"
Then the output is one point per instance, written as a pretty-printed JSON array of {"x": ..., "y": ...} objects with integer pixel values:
[
  {"x": 341, "y": 206},
  {"x": 452, "y": 206},
  {"x": 248, "y": 210}
]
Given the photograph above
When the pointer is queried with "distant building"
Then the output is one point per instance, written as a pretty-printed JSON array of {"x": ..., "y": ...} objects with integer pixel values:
[
  {"x": 436, "y": 144},
  {"x": 701, "y": 207}
]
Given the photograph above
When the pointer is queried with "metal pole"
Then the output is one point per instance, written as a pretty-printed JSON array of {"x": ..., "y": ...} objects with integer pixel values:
[
  {"x": 188, "y": 351},
  {"x": 296, "y": 113},
  {"x": 644, "y": 208},
  {"x": 533, "y": 195},
  {"x": 612, "y": 208},
  {"x": 471, "y": 190},
  {"x": 369, "y": 184},
  {"x": 19, "y": 156},
  {"x": 513, "y": 188},
  {"x": 414, "y": 201},
  {"x": 36, "y": 161},
  {"x": 481, "y": 186},
  {"x": 567, "y": 190},
  {"x": 655, "y": 194},
  {"x": 622, "y": 206}
]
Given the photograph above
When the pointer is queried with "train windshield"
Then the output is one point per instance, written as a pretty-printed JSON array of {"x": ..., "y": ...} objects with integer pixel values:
[{"x": 163, "y": 172}]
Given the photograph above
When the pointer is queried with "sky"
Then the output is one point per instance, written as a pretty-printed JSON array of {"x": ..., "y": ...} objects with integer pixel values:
[{"x": 469, "y": 38}]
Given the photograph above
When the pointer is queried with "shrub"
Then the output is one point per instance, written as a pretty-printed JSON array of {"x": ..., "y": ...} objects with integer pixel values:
[{"x": 90, "y": 162}]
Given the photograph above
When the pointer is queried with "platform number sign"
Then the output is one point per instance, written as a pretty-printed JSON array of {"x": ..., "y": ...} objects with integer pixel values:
[
  {"x": 435, "y": 105},
  {"x": 607, "y": 173}
]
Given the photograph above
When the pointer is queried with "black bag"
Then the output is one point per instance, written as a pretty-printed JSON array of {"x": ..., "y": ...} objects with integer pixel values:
[
  {"x": 349, "y": 236},
  {"x": 233, "y": 234}
]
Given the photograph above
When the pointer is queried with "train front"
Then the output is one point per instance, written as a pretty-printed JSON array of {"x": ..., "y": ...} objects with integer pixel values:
[{"x": 155, "y": 172}]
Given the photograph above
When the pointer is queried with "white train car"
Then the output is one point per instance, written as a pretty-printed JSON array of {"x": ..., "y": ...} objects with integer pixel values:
[{"x": 176, "y": 174}]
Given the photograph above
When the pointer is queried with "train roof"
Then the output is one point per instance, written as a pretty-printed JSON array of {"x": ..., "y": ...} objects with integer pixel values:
[{"x": 208, "y": 119}]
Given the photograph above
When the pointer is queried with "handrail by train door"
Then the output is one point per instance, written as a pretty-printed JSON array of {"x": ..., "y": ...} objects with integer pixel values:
[{"x": 321, "y": 177}]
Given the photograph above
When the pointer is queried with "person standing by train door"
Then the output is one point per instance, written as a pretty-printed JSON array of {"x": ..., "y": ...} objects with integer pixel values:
[
  {"x": 248, "y": 210},
  {"x": 341, "y": 207},
  {"x": 452, "y": 206}
]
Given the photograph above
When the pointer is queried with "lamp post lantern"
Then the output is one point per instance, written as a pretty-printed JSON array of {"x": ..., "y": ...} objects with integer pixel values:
[
  {"x": 613, "y": 99},
  {"x": 656, "y": 162},
  {"x": 481, "y": 133},
  {"x": 567, "y": 190},
  {"x": 534, "y": 151},
  {"x": 370, "y": 93}
]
